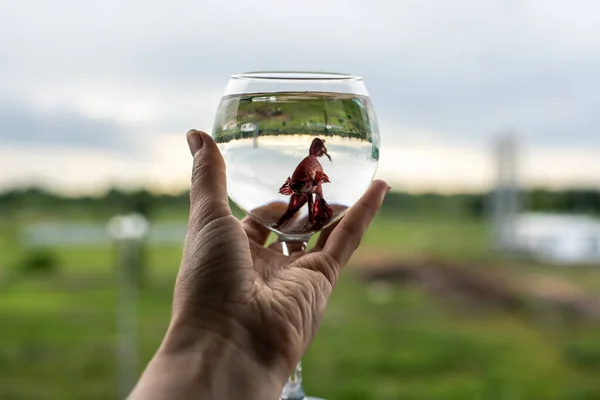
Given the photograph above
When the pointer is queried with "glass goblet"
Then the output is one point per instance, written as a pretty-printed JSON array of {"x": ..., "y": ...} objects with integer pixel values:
[{"x": 300, "y": 148}]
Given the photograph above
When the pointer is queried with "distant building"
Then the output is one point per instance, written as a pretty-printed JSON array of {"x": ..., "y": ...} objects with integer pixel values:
[
  {"x": 248, "y": 127},
  {"x": 558, "y": 238}
]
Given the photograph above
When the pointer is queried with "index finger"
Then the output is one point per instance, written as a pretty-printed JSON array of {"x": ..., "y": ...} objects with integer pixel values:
[{"x": 346, "y": 237}]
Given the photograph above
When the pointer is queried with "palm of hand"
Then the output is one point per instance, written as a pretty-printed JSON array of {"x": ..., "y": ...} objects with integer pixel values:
[
  {"x": 291, "y": 298},
  {"x": 269, "y": 303},
  {"x": 254, "y": 297}
]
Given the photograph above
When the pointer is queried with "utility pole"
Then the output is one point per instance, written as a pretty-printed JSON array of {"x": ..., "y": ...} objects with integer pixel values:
[
  {"x": 128, "y": 233},
  {"x": 505, "y": 196}
]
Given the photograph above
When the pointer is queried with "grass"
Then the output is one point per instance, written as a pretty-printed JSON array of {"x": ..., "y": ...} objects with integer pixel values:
[
  {"x": 289, "y": 114},
  {"x": 58, "y": 332}
]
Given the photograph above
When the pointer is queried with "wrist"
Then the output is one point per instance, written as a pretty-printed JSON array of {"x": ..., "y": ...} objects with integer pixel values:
[{"x": 220, "y": 367}]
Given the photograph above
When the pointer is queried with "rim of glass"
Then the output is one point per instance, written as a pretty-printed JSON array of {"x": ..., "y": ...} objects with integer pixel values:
[{"x": 296, "y": 76}]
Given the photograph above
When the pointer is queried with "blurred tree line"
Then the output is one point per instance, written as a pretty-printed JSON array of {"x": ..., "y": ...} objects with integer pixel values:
[
  {"x": 147, "y": 203},
  {"x": 114, "y": 201},
  {"x": 585, "y": 201}
]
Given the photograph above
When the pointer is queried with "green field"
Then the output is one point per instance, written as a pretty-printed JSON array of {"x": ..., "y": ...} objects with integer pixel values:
[
  {"x": 58, "y": 332},
  {"x": 295, "y": 113}
]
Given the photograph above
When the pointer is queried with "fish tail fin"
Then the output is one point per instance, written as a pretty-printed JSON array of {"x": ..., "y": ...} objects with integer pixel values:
[
  {"x": 285, "y": 188},
  {"x": 322, "y": 213}
]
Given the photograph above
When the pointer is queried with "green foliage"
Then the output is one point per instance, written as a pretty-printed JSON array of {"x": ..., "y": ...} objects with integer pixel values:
[
  {"x": 39, "y": 203},
  {"x": 399, "y": 203},
  {"x": 584, "y": 353},
  {"x": 571, "y": 200},
  {"x": 42, "y": 261},
  {"x": 291, "y": 115}
]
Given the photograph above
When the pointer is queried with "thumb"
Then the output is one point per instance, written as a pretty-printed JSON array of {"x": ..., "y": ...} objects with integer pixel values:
[{"x": 208, "y": 192}]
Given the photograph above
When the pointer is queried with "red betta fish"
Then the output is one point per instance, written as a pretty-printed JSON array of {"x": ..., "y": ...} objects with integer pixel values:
[{"x": 304, "y": 182}]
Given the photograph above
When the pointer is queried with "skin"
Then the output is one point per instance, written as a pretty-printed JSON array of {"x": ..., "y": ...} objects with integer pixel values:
[{"x": 244, "y": 314}]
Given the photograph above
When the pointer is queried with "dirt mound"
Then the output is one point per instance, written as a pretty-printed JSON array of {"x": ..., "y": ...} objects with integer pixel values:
[{"x": 482, "y": 286}]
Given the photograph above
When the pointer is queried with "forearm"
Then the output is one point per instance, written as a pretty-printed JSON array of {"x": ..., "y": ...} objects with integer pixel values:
[{"x": 192, "y": 365}]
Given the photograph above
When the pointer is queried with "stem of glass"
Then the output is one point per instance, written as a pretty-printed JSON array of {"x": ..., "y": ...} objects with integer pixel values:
[{"x": 293, "y": 389}]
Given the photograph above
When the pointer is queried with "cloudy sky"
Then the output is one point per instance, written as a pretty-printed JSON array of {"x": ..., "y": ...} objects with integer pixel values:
[{"x": 94, "y": 93}]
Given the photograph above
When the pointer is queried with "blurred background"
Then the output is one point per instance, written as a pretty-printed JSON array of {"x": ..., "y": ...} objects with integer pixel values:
[{"x": 478, "y": 280}]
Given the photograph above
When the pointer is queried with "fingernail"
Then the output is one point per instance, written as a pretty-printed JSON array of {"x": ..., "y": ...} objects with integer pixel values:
[
  {"x": 389, "y": 188},
  {"x": 194, "y": 139}
]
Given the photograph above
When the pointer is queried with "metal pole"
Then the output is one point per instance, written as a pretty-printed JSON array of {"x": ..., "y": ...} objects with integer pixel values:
[
  {"x": 127, "y": 295},
  {"x": 128, "y": 233},
  {"x": 505, "y": 202}
]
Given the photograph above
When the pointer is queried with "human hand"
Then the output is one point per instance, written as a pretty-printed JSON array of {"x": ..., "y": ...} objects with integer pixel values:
[{"x": 258, "y": 309}]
